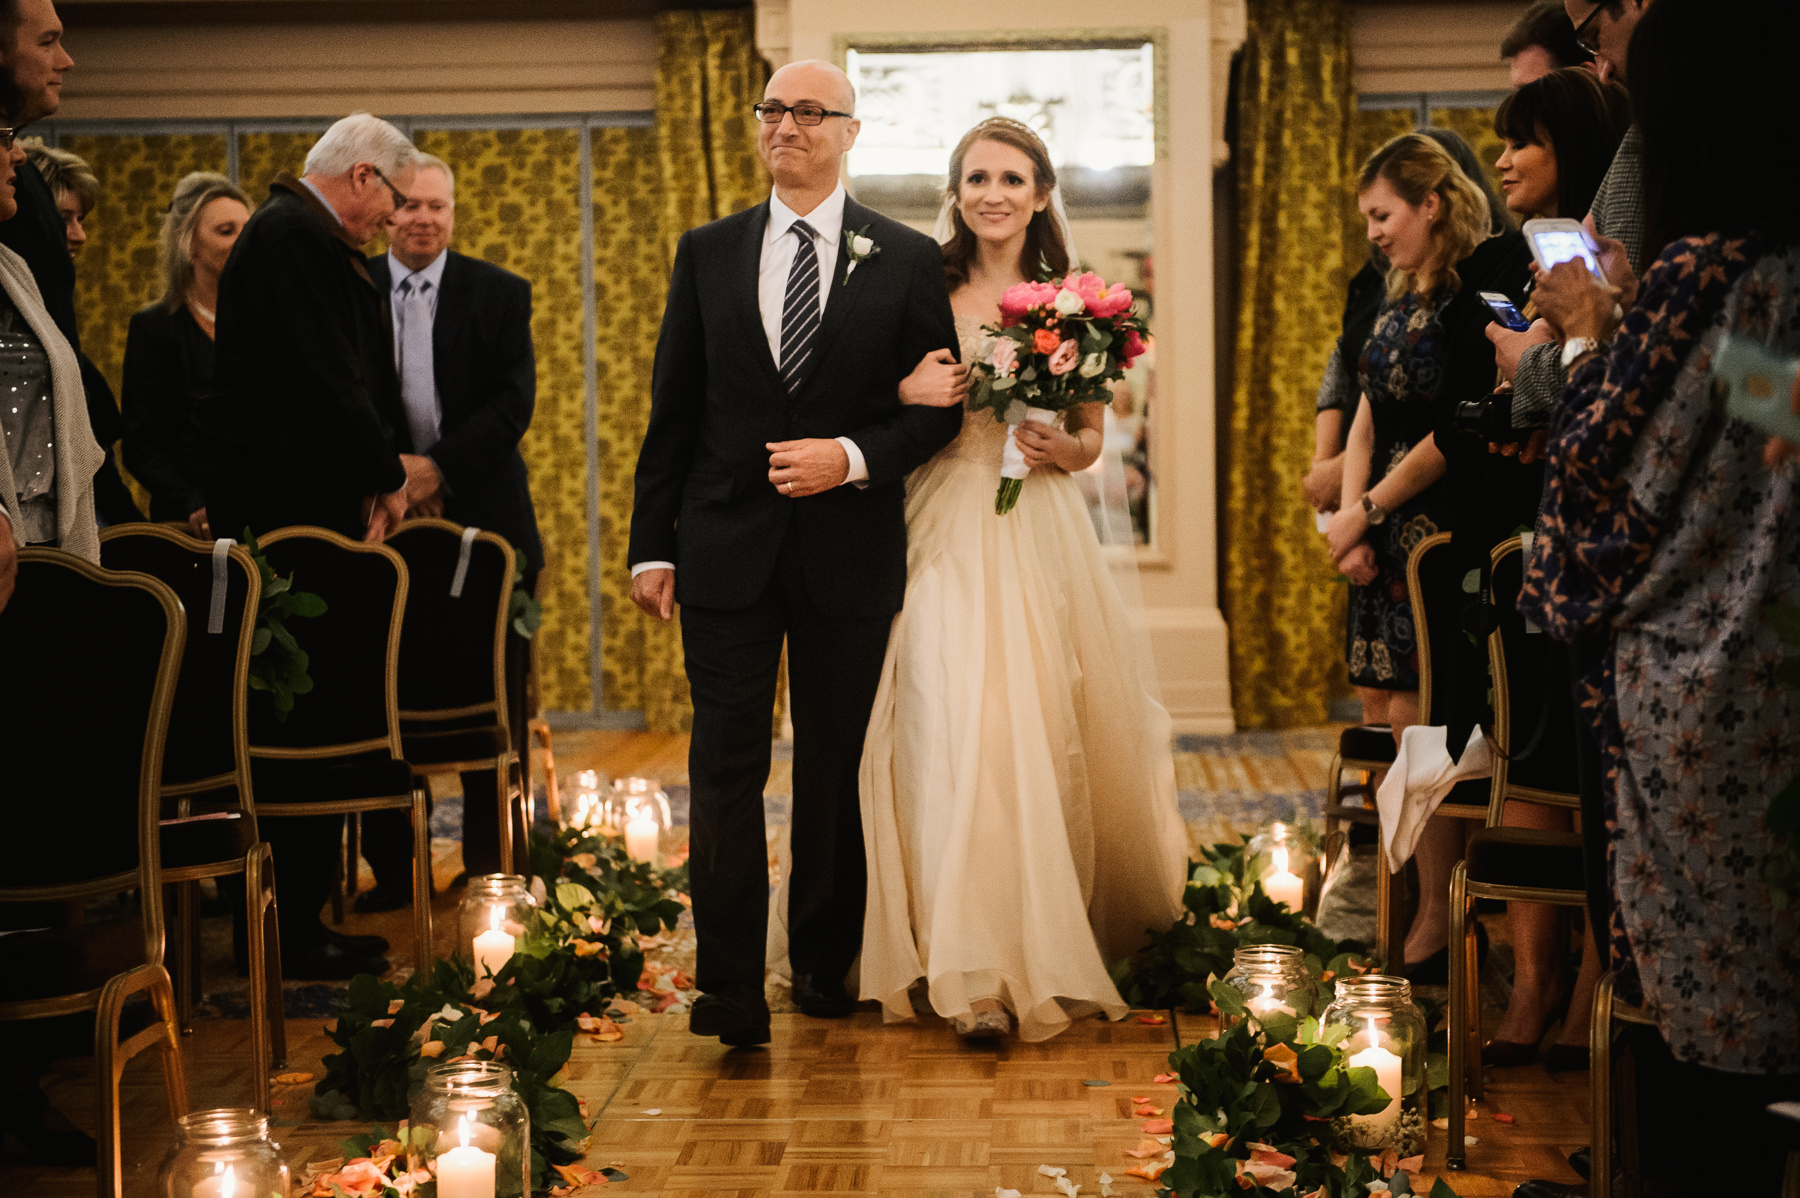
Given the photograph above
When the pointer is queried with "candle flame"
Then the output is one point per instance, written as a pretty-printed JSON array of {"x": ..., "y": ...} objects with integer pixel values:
[
  {"x": 495, "y": 916},
  {"x": 1374, "y": 1037},
  {"x": 228, "y": 1184},
  {"x": 463, "y": 1130},
  {"x": 1280, "y": 857}
]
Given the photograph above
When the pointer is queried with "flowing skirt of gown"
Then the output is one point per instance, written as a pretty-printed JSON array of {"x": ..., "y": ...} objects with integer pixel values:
[{"x": 1018, "y": 790}]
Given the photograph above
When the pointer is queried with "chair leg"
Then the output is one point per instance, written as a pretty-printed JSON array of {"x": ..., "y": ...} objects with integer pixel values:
[
  {"x": 112, "y": 1055},
  {"x": 271, "y": 926},
  {"x": 338, "y": 883},
  {"x": 1600, "y": 1040},
  {"x": 187, "y": 959},
  {"x": 353, "y": 862},
  {"x": 1629, "y": 1172},
  {"x": 421, "y": 882},
  {"x": 260, "y": 1050},
  {"x": 1456, "y": 1150},
  {"x": 503, "y": 788},
  {"x": 109, "y": 1179},
  {"x": 1387, "y": 942},
  {"x": 539, "y": 732}
]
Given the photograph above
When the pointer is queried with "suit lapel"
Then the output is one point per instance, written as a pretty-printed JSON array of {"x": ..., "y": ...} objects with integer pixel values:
[
  {"x": 843, "y": 291},
  {"x": 746, "y": 277},
  {"x": 454, "y": 306}
]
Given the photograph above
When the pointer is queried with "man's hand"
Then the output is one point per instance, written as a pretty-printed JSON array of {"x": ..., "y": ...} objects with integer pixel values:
[
  {"x": 9, "y": 563},
  {"x": 654, "y": 592},
  {"x": 382, "y": 513},
  {"x": 801, "y": 468},
  {"x": 938, "y": 381},
  {"x": 423, "y": 485},
  {"x": 1575, "y": 301},
  {"x": 1346, "y": 531},
  {"x": 198, "y": 526},
  {"x": 1324, "y": 483},
  {"x": 1510, "y": 345},
  {"x": 1527, "y": 451}
]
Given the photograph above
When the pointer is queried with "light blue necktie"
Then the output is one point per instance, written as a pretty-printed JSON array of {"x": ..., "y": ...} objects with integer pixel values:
[{"x": 413, "y": 361}]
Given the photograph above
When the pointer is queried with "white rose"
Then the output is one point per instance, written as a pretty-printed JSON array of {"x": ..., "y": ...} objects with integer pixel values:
[
  {"x": 1093, "y": 364},
  {"x": 860, "y": 246},
  {"x": 1068, "y": 303}
]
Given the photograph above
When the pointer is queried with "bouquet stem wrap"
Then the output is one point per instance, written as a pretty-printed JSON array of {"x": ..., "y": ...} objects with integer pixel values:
[{"x": 1012, "y": 462}]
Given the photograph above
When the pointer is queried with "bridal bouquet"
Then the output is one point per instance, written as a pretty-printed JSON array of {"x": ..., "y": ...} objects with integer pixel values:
[{"x": 1060, "y": 343}]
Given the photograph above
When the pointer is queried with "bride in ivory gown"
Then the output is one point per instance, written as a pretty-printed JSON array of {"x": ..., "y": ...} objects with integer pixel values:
[{"x": 1018, "y": 792}]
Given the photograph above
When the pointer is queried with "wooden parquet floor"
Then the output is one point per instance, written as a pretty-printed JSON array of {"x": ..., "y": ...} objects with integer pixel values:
[{"x": 849, "y": 1106}]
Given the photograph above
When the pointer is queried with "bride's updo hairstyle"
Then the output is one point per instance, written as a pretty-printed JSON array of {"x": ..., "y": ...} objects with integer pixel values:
[
  {"x": 1044, "y": 252},
  {"x": 1415, "y": 165}
]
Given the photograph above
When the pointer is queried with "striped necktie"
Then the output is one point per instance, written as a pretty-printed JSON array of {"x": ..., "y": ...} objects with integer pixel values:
[{"x": 800, "y": 311}]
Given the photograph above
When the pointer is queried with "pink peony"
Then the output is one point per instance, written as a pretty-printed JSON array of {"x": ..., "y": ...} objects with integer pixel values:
[
  {"x": 1065, "y": 357},
  {"x": 1004, "y": 357},
  {"x": 1133, "y": 349},
  {"x": 1102, "y": 301},
  {"x": 1023, "y": 297}
]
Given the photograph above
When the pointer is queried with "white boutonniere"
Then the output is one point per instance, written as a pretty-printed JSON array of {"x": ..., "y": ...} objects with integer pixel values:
[{"x": 862, "y": 247}]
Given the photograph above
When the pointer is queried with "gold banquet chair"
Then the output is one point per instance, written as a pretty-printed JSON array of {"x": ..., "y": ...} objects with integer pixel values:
[
  {"x": 339, "y": 752},
  {"x": 208, "y": 812},
  {"x": 1523, "y": 865},
  {"x": 453, "y": 702},
  {"x": 101, "y": 652}
]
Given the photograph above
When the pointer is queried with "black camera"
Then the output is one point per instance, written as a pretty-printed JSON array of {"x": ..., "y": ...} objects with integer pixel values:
[{"x": 1489, "y": 419}]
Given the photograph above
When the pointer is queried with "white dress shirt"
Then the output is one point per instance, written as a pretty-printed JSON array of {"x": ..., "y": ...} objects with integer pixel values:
[{"x": 778, "y": 249}]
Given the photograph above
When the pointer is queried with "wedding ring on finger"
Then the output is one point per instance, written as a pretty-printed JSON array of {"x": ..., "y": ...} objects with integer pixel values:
[{"x": 788, "y": 487}]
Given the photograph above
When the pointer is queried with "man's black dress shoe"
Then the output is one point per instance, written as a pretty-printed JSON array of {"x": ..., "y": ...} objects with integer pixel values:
[
  {"x": 739, "y": 1021},
  {"x": 821, "y": 999},
  {"x": 364, "y": 944},
  {"x": 383, "y": 897},
  {"x": 1582, "y": 1161},
  {"x": 326, "y": 960},
  {"x": 1550, "y": 1189}
]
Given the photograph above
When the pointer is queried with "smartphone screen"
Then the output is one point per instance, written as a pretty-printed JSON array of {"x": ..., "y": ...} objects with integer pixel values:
[
  {"x": 1505, "y": 312},
  {"x": 1560, "y": 245}
]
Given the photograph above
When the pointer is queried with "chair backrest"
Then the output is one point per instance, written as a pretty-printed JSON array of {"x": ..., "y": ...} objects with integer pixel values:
[
  {"x": 91, "y": 658},
  {"x": 1447, "y": 654},
  {"x": 219, "y": 587},
  {"x": 1529, "y": 686},
  {"x": 453, "y": 648},
  {"x": 352, "y": 649}
]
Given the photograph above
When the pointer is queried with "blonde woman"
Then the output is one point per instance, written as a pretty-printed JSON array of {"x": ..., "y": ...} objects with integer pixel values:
[
  {"x": 1427, "y": 353},
  {"x": 169, "y": 348}
]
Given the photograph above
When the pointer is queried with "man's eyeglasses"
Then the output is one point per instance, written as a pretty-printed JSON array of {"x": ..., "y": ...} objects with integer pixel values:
[
  {"x": 1587, "y": 39},
  {"x": 6, "y": 138},
  {"x": 400, "y": 200},
  {"x": 770, "y": 112}
]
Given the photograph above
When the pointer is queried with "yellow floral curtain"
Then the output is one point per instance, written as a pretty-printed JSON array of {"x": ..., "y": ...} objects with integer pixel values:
[
  {"x": 650, "y": 186},
  {"x": 1296, "y": 122},
  {"x": 1477, "y": 128},
  {"x": 116, "y": 273}
]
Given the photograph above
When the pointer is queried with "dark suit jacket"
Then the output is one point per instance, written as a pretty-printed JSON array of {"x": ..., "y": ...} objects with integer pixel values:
[
  {"x": 307, "y": 403},
  {"x": 169, "y": 368},
  {"x": 703, "y": 498},
  {"x": 37, "y": 235},
  {"x": 486, "y": 377}
]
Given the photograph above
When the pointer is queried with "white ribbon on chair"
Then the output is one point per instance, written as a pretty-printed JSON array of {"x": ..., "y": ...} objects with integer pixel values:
[
  {"x": 462, "y": 562},
  {"x": 1422, "y": 774},
  {"x": 221, "y": 554}
]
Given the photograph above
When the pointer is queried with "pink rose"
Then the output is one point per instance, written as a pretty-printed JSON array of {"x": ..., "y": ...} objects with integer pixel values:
[
  {"x": 1133, "y": 349},
  {"x": 1102, "y": 301},
  {"x": 1004, "y": 357},
  {"x": 1046, "y": 341},
  {"x": 1023, "y": 297},
  {"x": 1065, "y": 357}
]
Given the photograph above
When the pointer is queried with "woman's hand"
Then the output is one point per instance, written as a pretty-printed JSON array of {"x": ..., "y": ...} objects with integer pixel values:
[
  {"x": 198, "y": 526},
  {"x": 1575, "y": 301},
  {"x": 1359, "y": 565},
  {"x": 1047, "y": 445},
  {"x": 1346, "y": 531},
  {"x": 1323, "y": 483},
  {"x": 938, "y": 381}
]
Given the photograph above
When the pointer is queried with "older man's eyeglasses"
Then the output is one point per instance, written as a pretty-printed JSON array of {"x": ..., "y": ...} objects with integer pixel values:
[
  {"x": 6, "y": 138},
  {"x": 770, "y": 112},
  {"x": 400, "y": 200},
  {"x": 1586, "y": 37}
]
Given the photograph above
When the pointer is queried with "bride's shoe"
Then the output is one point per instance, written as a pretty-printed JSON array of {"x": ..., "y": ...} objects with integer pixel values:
[{"x": 983, "y": 1025}]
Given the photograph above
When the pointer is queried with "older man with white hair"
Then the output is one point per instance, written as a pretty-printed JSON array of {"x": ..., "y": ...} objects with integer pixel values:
[{"x": 304, "y": 423}]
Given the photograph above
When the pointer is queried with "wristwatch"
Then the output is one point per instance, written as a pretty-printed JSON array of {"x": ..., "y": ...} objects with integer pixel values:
[
  {"x": 1575, "y": 347},
  {"x": 1374, "y": 511}
]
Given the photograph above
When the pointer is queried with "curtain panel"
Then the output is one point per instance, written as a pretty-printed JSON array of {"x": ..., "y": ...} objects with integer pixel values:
[{"x": 1296, "y": 115}]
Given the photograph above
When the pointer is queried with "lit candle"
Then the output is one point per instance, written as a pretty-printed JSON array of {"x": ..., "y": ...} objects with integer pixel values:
[
  {"x": 493, "y": 948},
  {"x": 1282, "y": 886},
  {"x": 1267, "y": 1003},
  {"x": 1387, "y": 1073},
  {"x": 641, "y": 835},
  {"x": 465, "y": 1172},
  {"x": 220, "y": 1185}
]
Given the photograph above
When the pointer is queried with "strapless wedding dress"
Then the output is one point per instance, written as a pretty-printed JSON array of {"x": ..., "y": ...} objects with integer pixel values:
[{"x": 1018, "y": 793}]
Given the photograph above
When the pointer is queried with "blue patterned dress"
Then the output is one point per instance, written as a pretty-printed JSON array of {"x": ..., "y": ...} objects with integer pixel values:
[{"x": 1663, "y": 528}]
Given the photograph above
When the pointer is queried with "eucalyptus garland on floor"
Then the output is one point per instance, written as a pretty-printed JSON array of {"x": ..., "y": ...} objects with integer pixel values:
[
  {"x": 1226, "y": 910},
  {"x": 577, "y": 954}
]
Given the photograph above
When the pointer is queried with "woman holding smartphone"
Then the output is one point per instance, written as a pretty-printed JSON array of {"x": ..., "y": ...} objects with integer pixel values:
[
  {"x": 1561, "y": 133},
  {"x": 1427, "y": 352}
]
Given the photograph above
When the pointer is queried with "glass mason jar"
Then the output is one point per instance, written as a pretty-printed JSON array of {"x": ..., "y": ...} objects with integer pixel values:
[
  {"x": 470, "y": 1132},
  {"x": 1387, "y": 1034},
  {"x": 585, "y": 805},
  {"x": 1281, "y": 857},
  {"x": 224, "y": 1154},
  {"x": 639, "y": 809},
  {"x": 1273, "y": 979},
  {"x": 495, "y": 911}
]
